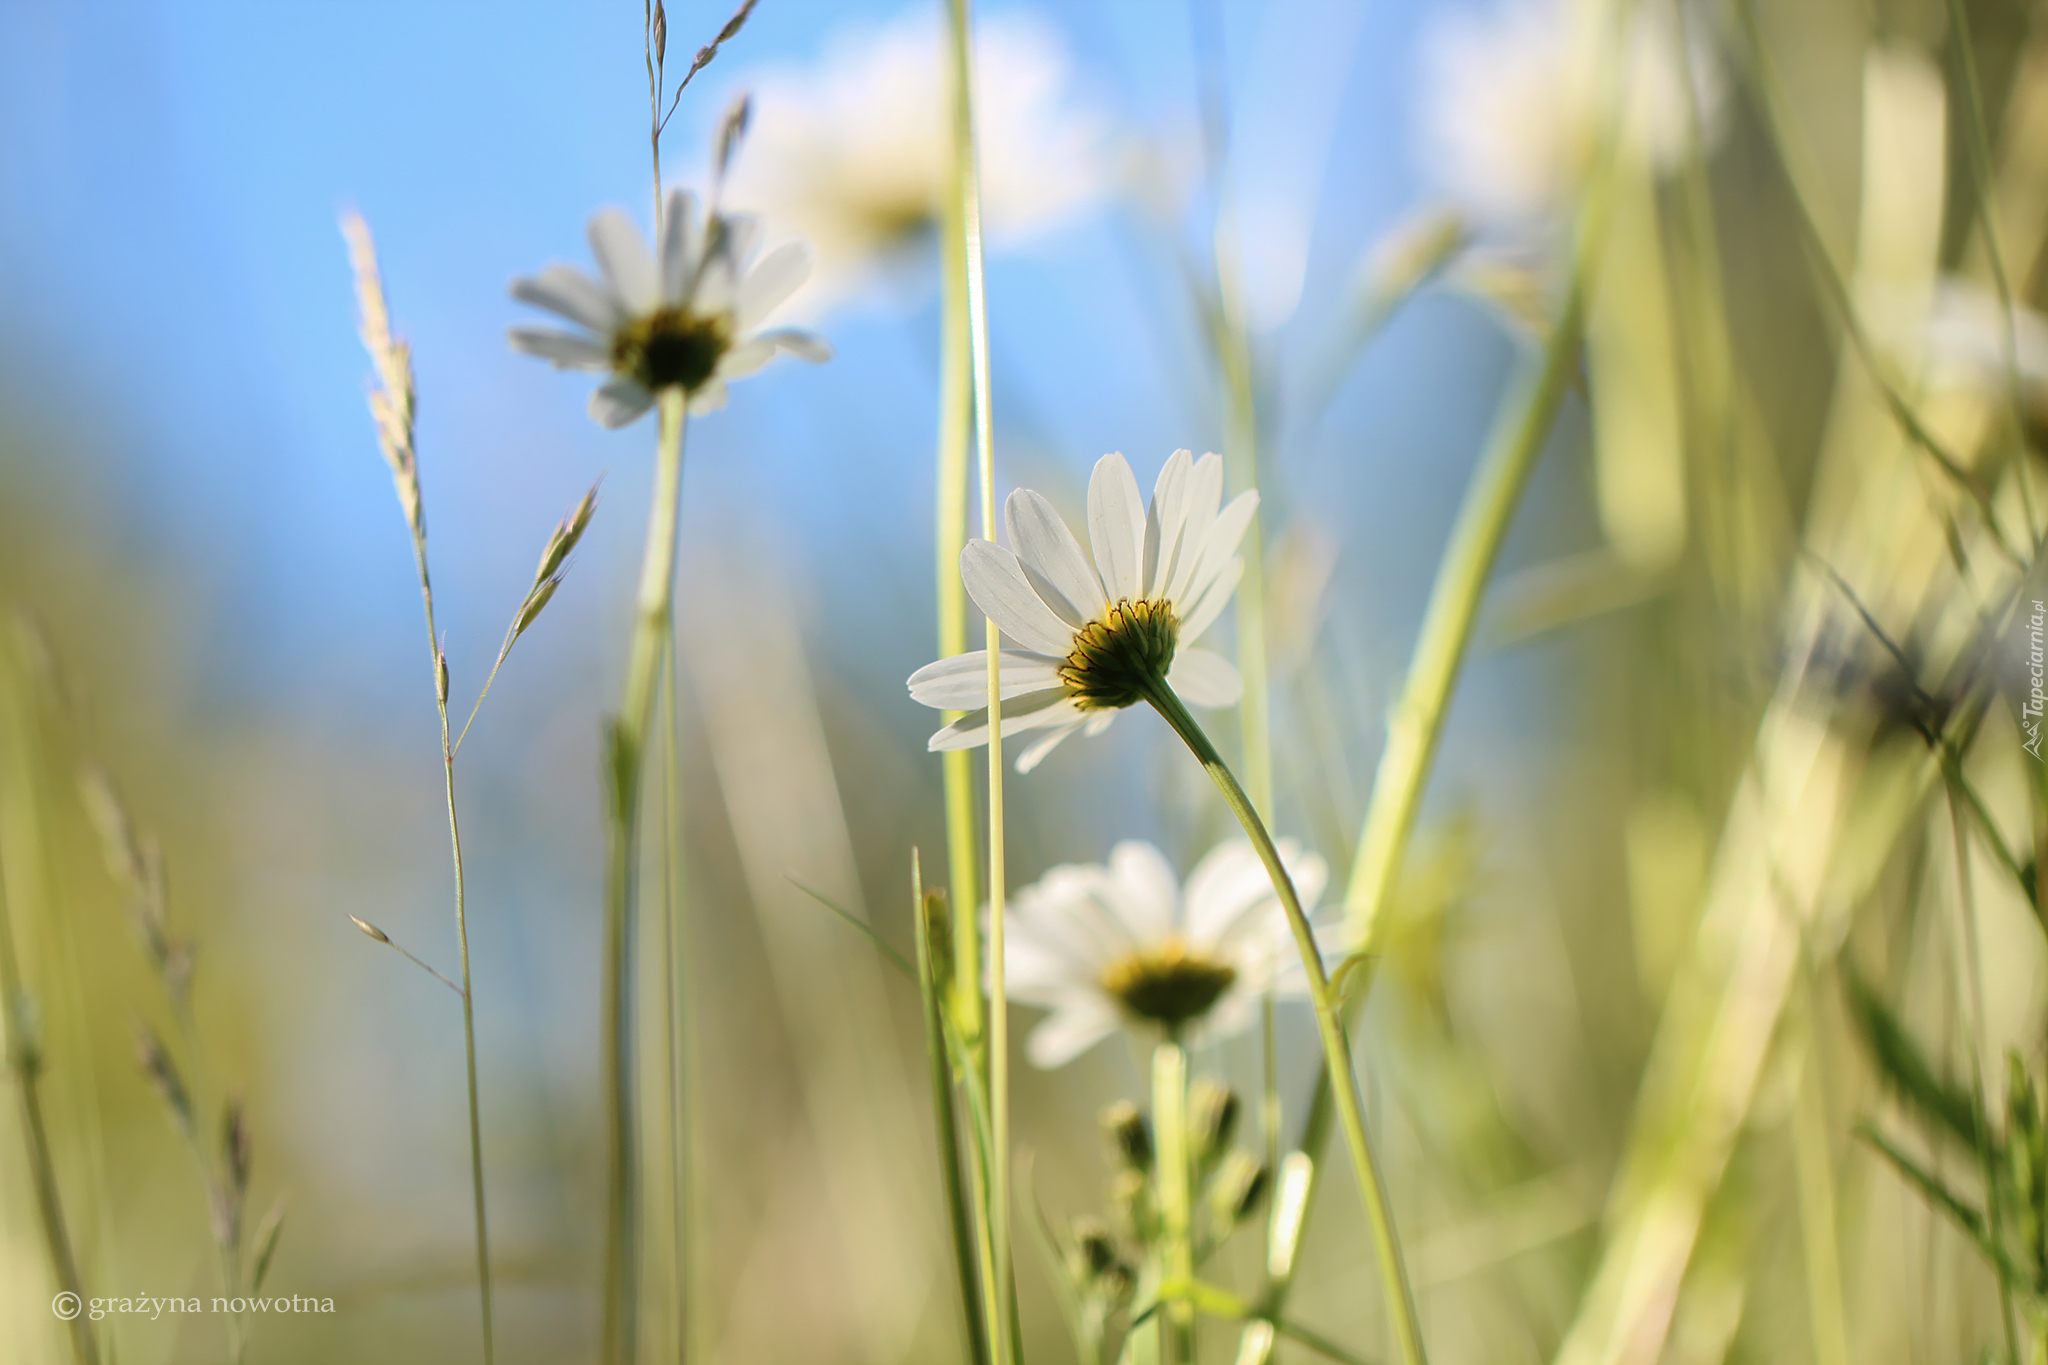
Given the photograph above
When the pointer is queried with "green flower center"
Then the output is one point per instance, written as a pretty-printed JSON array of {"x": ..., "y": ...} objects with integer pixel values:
[
  {"x": 671, "y": 347},
  {"x": 1116, "y": 659},
  {"x": 1167, "y": 984}
]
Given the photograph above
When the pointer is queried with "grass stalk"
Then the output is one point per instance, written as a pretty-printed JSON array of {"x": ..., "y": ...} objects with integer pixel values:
[
  {"x": 1336, "y": 1043},
  {"x": 393, "y": 406},
  {"x": 676, "y": 956},
  {"x": 1003, "y": 1332},
  {"x": 1230, "y": 335},
  {"x": 653, "y": 633},
  {"x": 956, "y": 414},
  {"x": 1416, "y": 725},
  {"x": 931, "y": 989},
  {"x": 24, "y": 1060},
  {"x": 1813, "y": 1170}
]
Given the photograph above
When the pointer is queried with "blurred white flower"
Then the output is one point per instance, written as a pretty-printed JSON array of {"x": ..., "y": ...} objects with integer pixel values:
[
  {"x": 1513, "y": 97},
  {"x": 852, "y": 153},
  {"x": 1097, "y": 636},
  {"x": 1102, "y": 945},
  {"x": 1964, "y": 343},
  {"x": 687, "y": 320}
]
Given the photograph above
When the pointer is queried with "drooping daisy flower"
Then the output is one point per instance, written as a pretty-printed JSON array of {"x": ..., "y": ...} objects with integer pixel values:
[
  {"x": 1126, "y": 943},
  {"x": 1513, "y": 98},
  {"x": 1098, "y": 637},
  {"x": 688, "y": 320},
  {"x": 853, "y": 152}
]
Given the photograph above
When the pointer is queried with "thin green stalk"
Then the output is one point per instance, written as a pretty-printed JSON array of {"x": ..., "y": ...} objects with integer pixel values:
[
  {"x": 627, "y": 748},
  {"x": 1970, "y": 963},
  {"x": 1417, "y": 723},
  {"x": 24, "y": 1059},
  {"x": 1231, "y": 336},
  {"x": 676, "y": 1000},
  {"x": 1005, "y": 1333},
  {"x": 930, "y": 988},
  {"x": 1176, "y": 1196},
  {"x": 476, "y": 1132},
  {"x": 1814, "y": 1176},
  {"x": 1349, "y": 1105},
  {"x": 956, "y": 404},
  {"x": 1978, "y": 142}
]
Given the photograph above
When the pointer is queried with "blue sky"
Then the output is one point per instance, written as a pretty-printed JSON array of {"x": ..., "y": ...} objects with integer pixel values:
[{"x": 178, "y": 311}]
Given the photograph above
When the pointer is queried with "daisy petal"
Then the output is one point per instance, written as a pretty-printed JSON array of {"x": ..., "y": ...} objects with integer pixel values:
[
  {"x": 1035, "y": 753},
  {"x": 716, "y": 286},
  {"x": 1217, "y": 547},
  {"x": 1165, "y": 519},
  {"x": 1081, "y": 1023},
  {"x": 568, "y": 291},
  {"x": 1146, "y": 892},
  {"x": 1032, "y": 711},
  {"x": 1228, "y": 886},
  {"x": 960, "y": 682},
  {"x": 804, "y": 345},
  {"x": 996, "y": 582},
  {"x": 772, "y": 280},
  {"x": 1116, "y": 526},
  {"x": 1051, "y": 558},
  {"x": 742, "y": 235},
  {"x": 619, "y": 401},
  {"x": 1203, "y": 496},
  {"x": 1210, "y": 605},
  {"x": 565, "y": 349},
  {"x": 745, "y": 358},
  {"x": 678, "y": 247},
  {"x": 623, "y": 256},
  {"x": 1204, "y": 679},
  {"x": 709, "y": 396}
]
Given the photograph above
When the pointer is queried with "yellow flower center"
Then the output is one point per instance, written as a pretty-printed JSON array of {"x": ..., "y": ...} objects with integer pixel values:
[
  {"x": 1116, "y": 659},
  {"x": 1167, "y": 984},
  {"x": 671, "y": 347}
]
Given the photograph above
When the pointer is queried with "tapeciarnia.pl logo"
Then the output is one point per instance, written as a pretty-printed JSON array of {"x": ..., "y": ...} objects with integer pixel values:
[{"x": 2037, "y": 668}]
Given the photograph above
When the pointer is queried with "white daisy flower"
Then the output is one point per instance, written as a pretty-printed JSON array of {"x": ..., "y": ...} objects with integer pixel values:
[
  {"x": 853, "y": 152},
  {"x": 1096, "y": 637},
  {"x": 1127, "y": 943},
  {"x": 688, "y": 320},
  {"x": 1512, "y": 101}
]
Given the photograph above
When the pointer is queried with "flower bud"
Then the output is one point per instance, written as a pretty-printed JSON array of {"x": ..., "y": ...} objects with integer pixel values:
[
  {"x": 1212, "y": 1120},
  {"x": 1236, "y": 1191},
  {"x": 1129, "y": 1135}
]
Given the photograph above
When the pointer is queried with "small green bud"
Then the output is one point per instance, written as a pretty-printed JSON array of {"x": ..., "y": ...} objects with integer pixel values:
[
  {"x": 1129, "y": 1135},
  {"x": 1235, "y": 1192},
  {"x": 1131, "y": 1195},
  {"x": 1212, "y": 1121}
]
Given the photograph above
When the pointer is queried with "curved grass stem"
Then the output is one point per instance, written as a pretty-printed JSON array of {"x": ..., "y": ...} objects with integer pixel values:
[{"x": 1336, "y": 1042}]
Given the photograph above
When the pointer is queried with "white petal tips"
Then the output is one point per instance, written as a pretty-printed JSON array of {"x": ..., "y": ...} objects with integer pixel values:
[
  {"x": 620, "y": 400},
  {"x": 1116, "y": 525},
  {"x": 568, "y": 291},
  {"x": 627, "y": 264},
  {"x": 772, "y": 280},
  {"x": 999, "y": 587},
  {"x": 567, "y": 350}
]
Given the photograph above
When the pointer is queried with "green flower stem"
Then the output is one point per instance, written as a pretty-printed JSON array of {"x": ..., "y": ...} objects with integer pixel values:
[
  {"x": 1418, "y": 719},
  {"x": 1176, "y": 1197},
  {"x": 1349, "y": 1105},
  {"x": 653, "y": 631}
]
